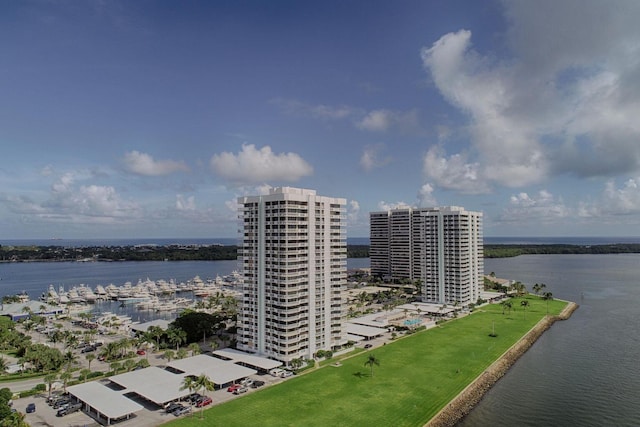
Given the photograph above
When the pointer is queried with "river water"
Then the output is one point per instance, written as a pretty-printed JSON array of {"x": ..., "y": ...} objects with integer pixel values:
[{"x": 582, "y": 372}]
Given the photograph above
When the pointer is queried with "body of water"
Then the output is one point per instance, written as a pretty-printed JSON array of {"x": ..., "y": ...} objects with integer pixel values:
[{"x": 582, "y": 372}]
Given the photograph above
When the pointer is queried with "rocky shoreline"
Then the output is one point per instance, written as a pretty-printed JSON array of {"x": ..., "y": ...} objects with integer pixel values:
[{"x": 462, "y": 404}]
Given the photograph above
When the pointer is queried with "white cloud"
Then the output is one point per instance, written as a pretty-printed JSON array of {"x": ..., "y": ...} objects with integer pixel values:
[
  {"x": 370, "y": 158},
  {"x": 539, "y": 208},
  {"x": 425, "y": 196},
  {"x": 614, "y": 202},
  {"x": 253, "y": 165},
  {"x": 383, "y": 120},
  {"x": 353, "y": 211},
  {"x": 185, "y": 204},
  {"x": 386, "y": 206},
  {"x": 143, "y": 164},
  {"x": 566, "y": 100},
  {"x": 326, "y": 112},
  {"x": 454, "y": 172}
]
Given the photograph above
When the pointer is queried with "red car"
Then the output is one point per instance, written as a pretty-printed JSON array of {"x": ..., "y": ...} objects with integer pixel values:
[
  {"x": 141, "y": 352},
  {"x": 233, "y": 388},
  {"x": 204, "y": 402}
]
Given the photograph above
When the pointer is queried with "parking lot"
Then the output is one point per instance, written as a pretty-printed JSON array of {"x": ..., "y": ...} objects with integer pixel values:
[{"x": 150, "y": 416}]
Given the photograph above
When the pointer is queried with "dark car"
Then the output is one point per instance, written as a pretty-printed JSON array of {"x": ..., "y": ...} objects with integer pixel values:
[
  {"x": 257, "y": 383},
  {"x": 88, "y": 349},
  {"x": 61, "y": 402},
  {"x": 31, "y": 407},
  {"x": 193, "y": 398},
  {"x": 73, "y": 407},
  {"x": 368, "y": 345},
  {"x": 173, "y": 406},
  {"x": 182, "y": 410}
]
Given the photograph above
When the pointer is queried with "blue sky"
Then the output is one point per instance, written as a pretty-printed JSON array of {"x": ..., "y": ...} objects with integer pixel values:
[{"x": 150, "y": 118}]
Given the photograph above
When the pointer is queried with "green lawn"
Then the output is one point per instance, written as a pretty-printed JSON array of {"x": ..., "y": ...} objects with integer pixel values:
[{"x": 417, "y": 376}]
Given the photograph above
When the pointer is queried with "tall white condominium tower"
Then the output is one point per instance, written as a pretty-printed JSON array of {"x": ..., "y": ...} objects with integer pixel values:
[
  {"x": 294, "y": 260},
  {"x": 440, "y": 247}
]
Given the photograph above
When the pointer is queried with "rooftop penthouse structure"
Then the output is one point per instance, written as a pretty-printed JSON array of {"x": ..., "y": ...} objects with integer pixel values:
[
  {"x": 442, "y": 248},
  {"x": 294, "y": 259}
]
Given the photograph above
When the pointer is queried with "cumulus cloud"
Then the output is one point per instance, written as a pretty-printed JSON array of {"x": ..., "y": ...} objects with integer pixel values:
[
  {"x": 383, "y": 120},
  {"x": 386, "y": 206},
  {"x": 614, "y": 201},
  {"x": 565, "y": 101},
  {"x": 252, "y": 165},
  {"x": 353, "y": 211},
  {"x": 541, "y": 207},
  {"x": 143, "y": 164},
  {"x": 454, "y": 172},
  {"x": 371, "y": 159},
  {"x": 426, "y": 198}
]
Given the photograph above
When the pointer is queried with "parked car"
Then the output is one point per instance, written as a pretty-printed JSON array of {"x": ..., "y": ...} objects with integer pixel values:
[
  {"x": 206, "y": 400},
  {"x": 71, "y": 408},
  {"x": 368, "y": 345},
  {"x": 247, "y": 382},
  {"x": 233, "y": 387},
  {"x": 276, "y": 372},
  {"x": 61, "y": 402},
  {"x": 88, "y": 349},
  {"x": 193, "y": 398},
  {"x": 286, "y": 374},
  {"x": 31, "y": 407},
  {"x": 240, "y": 390},
  {"x": 182, "y": 410},
  {"x": 141, "y": 352},
  {"x": 172, "y": 407},
  {"x": 257, "y": 383}
]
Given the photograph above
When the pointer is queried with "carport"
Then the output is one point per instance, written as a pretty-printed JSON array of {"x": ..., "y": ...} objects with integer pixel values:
[
  {"x": 103, "y": 403},
  {"x": 154, "y": 384},
  {"x": 368, "y": 332},
  {"x": 251, "y": 360},
  {"x": 219, "y": 371}
]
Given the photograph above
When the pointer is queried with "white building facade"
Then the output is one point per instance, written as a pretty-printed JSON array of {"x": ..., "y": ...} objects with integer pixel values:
[
  {"x": 442, "y": 248},
  {"x": 294, "y": 260}
]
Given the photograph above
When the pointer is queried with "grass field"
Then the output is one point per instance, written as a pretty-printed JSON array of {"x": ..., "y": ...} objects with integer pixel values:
[{"x": 417, "y": 376}]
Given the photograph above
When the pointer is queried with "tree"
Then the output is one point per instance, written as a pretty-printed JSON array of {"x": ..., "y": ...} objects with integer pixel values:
[
  {"x": 176, "y": 336},
  {"x": 169, "y": 354},
  {"x": 524, "y": 304},
  {"x": 194, "y": 348},
  {"x": 90, "y": 357},
  {"x": 189, "y": 383},
  {"x": 372, "y": 360},
  {"x": 506, "y": 305},
  {"x": 84, "y": 374},
  {"x": 547, "y": 296},
  {"x": 182, "y": 353},
  {"x": 49, "y": 379},
  {"x": 204, "y": 383},
  {"x": 65, "y": 377},
  {"x": 156, "y": 332},
  {"x": 129, "y": 364}
]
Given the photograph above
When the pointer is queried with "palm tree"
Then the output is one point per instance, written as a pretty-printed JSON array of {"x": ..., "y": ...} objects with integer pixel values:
[
  {"x": 169, "y": 354},
  {"x": 194, "y": 348},
  {"x": 189, "y": 382},
  {"x": 547, "y": 296},
  {"x": 506, "y": 305},
  {"x": 182, "y": 353},
  {"x": 524, "y": 304},
  {"x": 129, "y": 364},
  {"x": 84, "y": 374},
  {"x": 372, "y": 360},
  {"x": 65, "y": 377},
  {"x": 156, "y": 332},
  {"x": 49, "y": 380},
  {"x": 204, "y": 383},
  {"x": 176, "y": 336},
  {"x": 90, "y": 357}
]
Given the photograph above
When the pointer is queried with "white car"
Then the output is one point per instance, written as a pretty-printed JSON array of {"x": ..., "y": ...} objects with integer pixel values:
[
  {"x": 286, "y": 374},
  {"x": 276, "y": 372},
  {"x": 246, "y": 382}
]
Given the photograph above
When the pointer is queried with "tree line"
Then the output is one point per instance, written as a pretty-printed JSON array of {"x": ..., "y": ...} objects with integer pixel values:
[{"x": 136, "y": 253}]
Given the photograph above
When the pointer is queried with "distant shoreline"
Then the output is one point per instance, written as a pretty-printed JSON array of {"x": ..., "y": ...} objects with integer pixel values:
[{"x": 468, "y": 398}]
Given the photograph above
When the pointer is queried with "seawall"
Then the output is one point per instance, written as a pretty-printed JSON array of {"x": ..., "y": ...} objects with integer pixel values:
[{"x": 468, "y": 398}]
